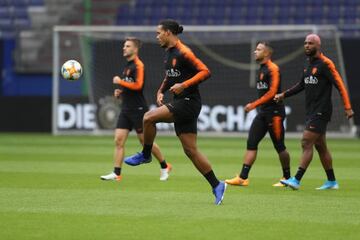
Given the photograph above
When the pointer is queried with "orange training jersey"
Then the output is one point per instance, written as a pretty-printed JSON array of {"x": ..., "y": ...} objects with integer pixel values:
[
  {"x": 132, "y": 81},
  {"x": 318, "y": 78},
  {"x": 268, "y": 84},
  {"x": 182, "y": 66}
]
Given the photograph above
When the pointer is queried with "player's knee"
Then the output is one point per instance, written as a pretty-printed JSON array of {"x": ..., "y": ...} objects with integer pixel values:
[
  {"x": 320, "y": 147},
  {"x": 148, "y": 118},
  {"x": 190, "y": 152},
  {"x": 306, "y": 143},
  {"x": 280, "y": 148},
  {"x": 119, "y": 143}
]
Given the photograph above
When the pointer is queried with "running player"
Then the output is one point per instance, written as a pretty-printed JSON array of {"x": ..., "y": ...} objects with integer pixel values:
[
  {"x": 133, "y": 109},
  {"x": 270, "y": 116},
  {"x": 183, "y": 73},
  {"x": 318, "y": 77}
]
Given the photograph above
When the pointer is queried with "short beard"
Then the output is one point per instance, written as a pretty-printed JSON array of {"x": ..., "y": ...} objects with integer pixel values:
[{"x": 311, "y": 53}]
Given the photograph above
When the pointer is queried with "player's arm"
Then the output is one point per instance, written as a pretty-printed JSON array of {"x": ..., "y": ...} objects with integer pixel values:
[
  {"x": 117, "y": 92},
  {"x": 270, "y": 94},
  {"x": 202, "y": 74},
  {"x": 203, "y": 71},
  {"x": 162, "y": 89},
  {"x": 138, "y": 84},
  {"x": 298, "y": 87},
  {"x": 333, "y": 75}
]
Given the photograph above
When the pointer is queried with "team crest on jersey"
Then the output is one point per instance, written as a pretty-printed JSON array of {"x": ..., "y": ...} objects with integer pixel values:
[
  {"x": 261, "y": 76},
  {"x": 173, "y": 62},
  {"x": 313, "y": 71},
  {"x": 127, "y": 72}
]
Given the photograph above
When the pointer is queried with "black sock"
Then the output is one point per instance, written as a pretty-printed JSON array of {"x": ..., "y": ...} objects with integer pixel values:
[
  {"x": 330, "y": 174},
  {"x": 211, "y": 178},
  {"x": 300, "y": 173},
  {"x": 163, "y": 164},
  {"x": 147, "y": 150},
  {"x": 286, "y": 173},
  {"x": 117, "y": 170},
  {"x": 245, "y": 171}
]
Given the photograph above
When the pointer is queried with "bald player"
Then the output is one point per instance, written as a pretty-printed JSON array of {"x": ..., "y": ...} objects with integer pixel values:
[
  {"x": 270, "y": 117},
  {"x": 319, "y": 76}
]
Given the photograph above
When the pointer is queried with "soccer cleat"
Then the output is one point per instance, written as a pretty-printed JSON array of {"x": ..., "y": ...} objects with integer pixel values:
[
  {"x": 329, "y": 185},
  {"x": 137, "y": 159},
  {"x": 219, "y": 192},
  {"x": 238, "y": 181},
  {"x": 111, "y": 176},
  {"x": 279, "y": 184},
  {"x": 164, "y": 173},
  {"x": 291, "y": 182}
]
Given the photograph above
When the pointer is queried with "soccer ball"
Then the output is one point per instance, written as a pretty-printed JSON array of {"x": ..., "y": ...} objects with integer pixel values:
[{"x": 71, "y": 70}]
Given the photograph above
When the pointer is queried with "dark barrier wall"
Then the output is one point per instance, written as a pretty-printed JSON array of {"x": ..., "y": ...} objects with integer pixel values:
[
  {"x": 351, "y": 52},
  {"x": 25, "y": 114},
  {"x": 33, "y": 113}
]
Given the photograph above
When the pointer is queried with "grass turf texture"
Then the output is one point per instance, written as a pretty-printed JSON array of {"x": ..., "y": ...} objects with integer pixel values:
[{"x": 50, "y": 189}]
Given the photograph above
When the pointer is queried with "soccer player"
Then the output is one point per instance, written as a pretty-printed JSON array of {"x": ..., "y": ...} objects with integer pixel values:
[
  {"x": 270, "y": 116},
  {"x": 183, "y": 73},
  {"x": 318, "y": 77},
  {"x": 133, "y": 109}
]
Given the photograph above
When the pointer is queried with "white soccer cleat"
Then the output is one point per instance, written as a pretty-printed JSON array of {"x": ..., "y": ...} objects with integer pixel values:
[
  {"x": 164, "y": 173},
  {"x": 111, "y": 176}
]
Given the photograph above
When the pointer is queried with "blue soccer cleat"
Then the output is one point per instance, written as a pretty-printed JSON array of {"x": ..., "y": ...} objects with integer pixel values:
[
  {"x": 137, "y": 159},
  {"x": 219, "y": 192},
  {"x": 291, "y": 182},
  {"x": 329, "y": 185}
]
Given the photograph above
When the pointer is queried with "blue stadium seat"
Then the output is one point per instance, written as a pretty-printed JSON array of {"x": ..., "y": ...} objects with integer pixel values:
[
  {"x": 20, "y": 13},
  {"x": 5, "y": 12},
  {"x": 36, "y": 2}
]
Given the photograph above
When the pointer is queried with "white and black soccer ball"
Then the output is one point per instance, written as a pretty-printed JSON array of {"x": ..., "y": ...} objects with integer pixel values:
[{"x": 71, "y": 70}]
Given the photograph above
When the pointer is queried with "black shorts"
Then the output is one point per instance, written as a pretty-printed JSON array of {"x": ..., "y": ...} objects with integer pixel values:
[
  {"x": 267, "y": 122},
  {"x": 131, "y": 120},
  {"x": 186, "y": 112},
  {"x": 316, "y": 124}
]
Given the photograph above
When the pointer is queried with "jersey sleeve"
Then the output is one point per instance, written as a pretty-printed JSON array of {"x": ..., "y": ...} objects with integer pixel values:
[
  {"x": 295, "y": 89},
  {"x": 274, "y": 75},
  {"x": 138, "y": 84},
  {"x": 333, "y": 75},
  {"x": 164, "y": 85},
  {"x": 203, "y": 72}
]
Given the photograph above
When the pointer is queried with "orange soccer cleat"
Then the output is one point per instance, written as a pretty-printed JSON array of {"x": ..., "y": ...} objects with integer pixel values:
[{"x": 238, "y": 181}]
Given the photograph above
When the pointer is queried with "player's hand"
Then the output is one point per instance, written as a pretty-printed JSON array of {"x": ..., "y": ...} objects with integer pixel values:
[
  {"x": 279, "y": 97},
  {"x": 160, "y": 99},
  {"x": 117, "y": 93},
  {"x": 116, "y": 80},
  {"x": 248, "y": 107},
  {"x": 349, "y": 113},
  {"x": 177, "y": 88}
]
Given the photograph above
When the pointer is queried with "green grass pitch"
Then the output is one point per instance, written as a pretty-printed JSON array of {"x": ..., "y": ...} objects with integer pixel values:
[{"x": 50, "y": 189}]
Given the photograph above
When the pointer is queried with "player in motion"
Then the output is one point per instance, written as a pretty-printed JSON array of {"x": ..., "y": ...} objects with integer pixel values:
[
  {"x": 183, "y": 73},
  {"x": 270, "y": 116},
  {"x": 133, "y": 109},
  {"x": 318, "y": 77}
]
